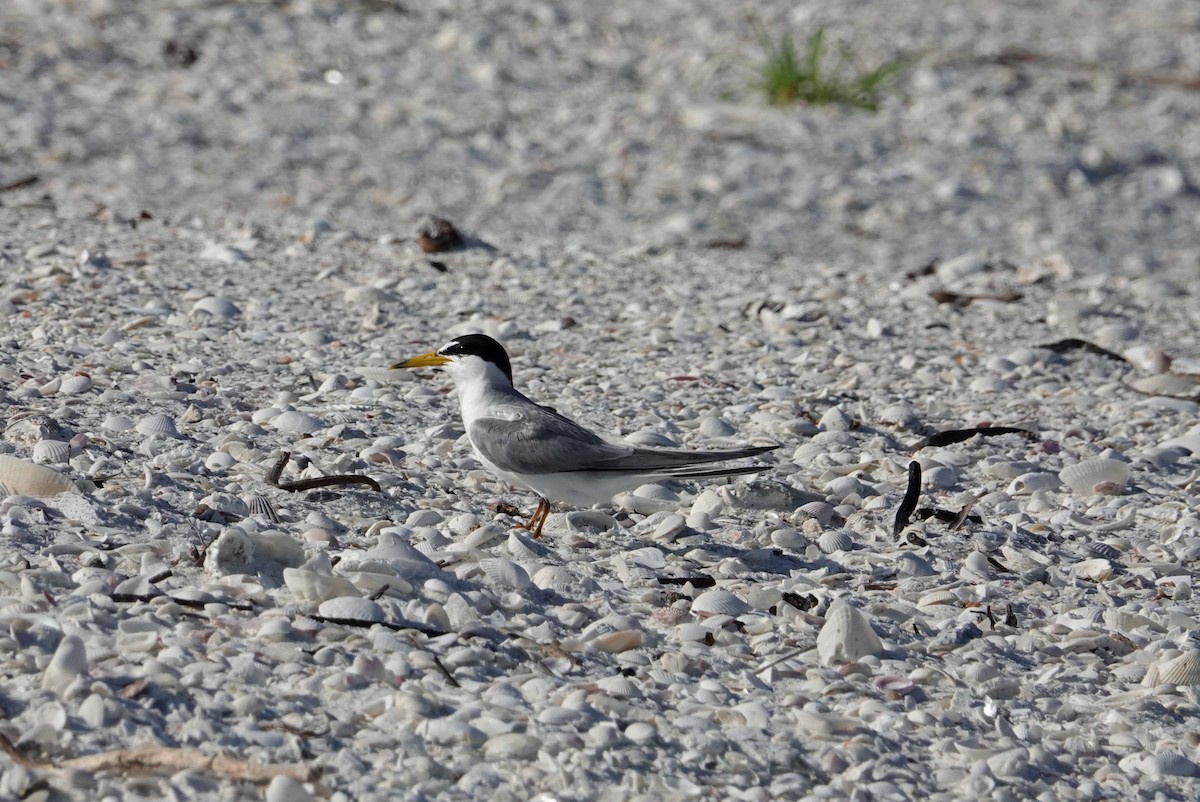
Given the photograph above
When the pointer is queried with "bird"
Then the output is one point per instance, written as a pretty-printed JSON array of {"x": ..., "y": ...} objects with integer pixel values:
[{"x": 533, "y": 446}]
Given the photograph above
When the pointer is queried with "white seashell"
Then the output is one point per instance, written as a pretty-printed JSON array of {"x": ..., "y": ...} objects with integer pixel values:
[
  {"x": 719, "y": 602},
  {"x": 117, "y": 423},
  {"x": 75, "y": 384},
  {"x": 231, "y": 553},
  {"x": 835, "y": 540},
  {"x": 1183, "y": 669},
  {"x": 314, "y": 587},
  {"x": 617, "y": 642},
  {"x": 51, "y": 451},
  {"x": 505, "y": 573},
  {"x": 556, "y": 578},
  {"x": 69, "y": 662},
  {"x": 1096, "y": 476},
  {"x": 21, "y": 478},
  {"x": 352, "y": 608},
  {"x": 1028, "y": 483},
  {"x": 216, "y": 306},
  {"x": 896, "y": 686},
  {"x": 1187, "y": 442},
  {"x": 648, "y": 557},
  {"x": 278, "y": 546},
  {"x": 1096, "y": 569},
  {"x": 821, "y": 511},
  {"x": 619, "y": 685},
  {"x": 157, "y": 426},
  {"x": 846, "y": 635},
  {"x": 1172, "y": 385},
  {"x": 935, "y": 598},
  {"x": 649, "y": 499},
  {"x": 1170, "y": 763},
  {"x": 293, "y": 422},
  {"x": 590, "y": 522},
  {"x": 691, "y": 631},
  {"x": 976, "y": 567}
]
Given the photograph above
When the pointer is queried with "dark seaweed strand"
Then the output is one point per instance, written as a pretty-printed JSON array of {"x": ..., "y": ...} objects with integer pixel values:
[
  {"x": 952, "y": 436},
  {"x": 300, "y": 485},
  {"x": 904, "y": 513},
  {"x": 1076, "y": 344}
]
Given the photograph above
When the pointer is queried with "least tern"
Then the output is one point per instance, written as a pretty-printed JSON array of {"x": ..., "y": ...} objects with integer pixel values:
[{"x": 533, "y": 446}]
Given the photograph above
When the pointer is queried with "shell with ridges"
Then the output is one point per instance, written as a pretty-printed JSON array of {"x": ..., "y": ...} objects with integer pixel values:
[
  {"x": 1183, "y": 669},
  {"x": 352, "y": 608},
  {"x": 157, "y": 426},
  {"x": 1099, "y": 475},
  {"x": 51, "y": 451},
  {"x": 846, "y": 635},
  {"x": 719, "y": 602},
  {"x": 21, "y": 478}
]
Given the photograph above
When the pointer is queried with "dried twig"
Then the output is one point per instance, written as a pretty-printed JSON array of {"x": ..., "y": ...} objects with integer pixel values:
[{"x": 152, "y": 758}]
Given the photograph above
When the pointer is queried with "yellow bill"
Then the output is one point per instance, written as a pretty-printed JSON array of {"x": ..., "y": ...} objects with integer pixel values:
[{"x": 429, "y": 360}]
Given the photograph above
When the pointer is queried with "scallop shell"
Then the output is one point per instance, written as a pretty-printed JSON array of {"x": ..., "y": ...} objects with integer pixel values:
[
  {"x": 293, "y": 422},
  {"x": 719, "y": 602},
  {"x": 1105, "y": 550},
  {"x": 835, "y": 540},
  {"x": 556, "y": 578},
  {"x": 352, "y": 608},
  {"x": 157, "y": 426},
  {"x": 51, "y": 451},
  {"x": 21, "y": 478},
  {"x": 619, "y": 685},
  {"x": 846, "y": 636},
  {"x": 75, "y": 385},
  {"x": 1100, "y": 475},
  {"x": 505, "y": 573},
  {"x": 261, "y": 505},
  {"x": 821, "y": 511},
  {"x": 1181, "y": 670},
  {"x": 1170, "y": 763}
]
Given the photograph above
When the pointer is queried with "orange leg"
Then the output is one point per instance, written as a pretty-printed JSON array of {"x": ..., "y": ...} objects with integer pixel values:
[{"x": 539, "y": 518}]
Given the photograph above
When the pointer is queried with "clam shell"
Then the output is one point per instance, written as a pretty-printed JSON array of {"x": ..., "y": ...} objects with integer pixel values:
[
  {"x": 1096, "y": 569},
  {"x": 21, "y": 478},
  {"x": 719, "y": 602},
  {"x": 51, "y": 451},
  {"x": 157, "y": 426},
  {"x": 352, "y": 608},
  {"x": 846, "y": 636},
  {"x": 1095, "y": 476}
]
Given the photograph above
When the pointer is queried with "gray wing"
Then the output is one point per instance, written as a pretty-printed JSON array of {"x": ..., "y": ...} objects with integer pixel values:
[{"x": 542, "y": 441}]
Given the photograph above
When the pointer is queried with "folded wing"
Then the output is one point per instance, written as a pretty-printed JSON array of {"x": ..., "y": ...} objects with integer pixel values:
[{"x": 542, "y": 441}]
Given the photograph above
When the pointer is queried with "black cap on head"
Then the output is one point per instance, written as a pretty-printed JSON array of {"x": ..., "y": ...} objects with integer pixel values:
[{"x": 482, "y": 346}]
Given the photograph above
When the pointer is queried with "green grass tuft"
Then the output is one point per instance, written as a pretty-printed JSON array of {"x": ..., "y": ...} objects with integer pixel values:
[{"x": 787, "y": 76}]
